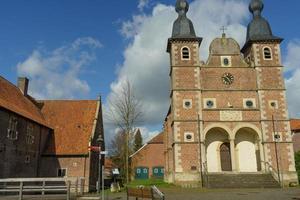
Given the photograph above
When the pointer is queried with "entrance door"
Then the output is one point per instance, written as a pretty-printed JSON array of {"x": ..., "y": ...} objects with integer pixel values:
[
  {"x": 225, "y": 157},
  {"x": 158, "y": 172},
  {"x": 141, "y": 173}
]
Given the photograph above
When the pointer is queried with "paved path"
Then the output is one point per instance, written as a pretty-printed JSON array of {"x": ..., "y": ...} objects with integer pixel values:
[{"x": 239, "y": 194}]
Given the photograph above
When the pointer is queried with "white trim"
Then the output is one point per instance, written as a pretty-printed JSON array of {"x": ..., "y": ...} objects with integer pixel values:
[
  {"x": 191, "y": 134},
  {"x": 229, "y": 61},
  {"x": 267, "y": 47},
  {"x": 185, "y": 101},
  {"x": 182, "y": 53},
  {"x": 249, "y": 99}
]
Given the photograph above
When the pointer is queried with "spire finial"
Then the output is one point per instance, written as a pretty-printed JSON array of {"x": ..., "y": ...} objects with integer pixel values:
[
  {"x": 256, "y": 7},
  {"x": 182, "y": 7}
]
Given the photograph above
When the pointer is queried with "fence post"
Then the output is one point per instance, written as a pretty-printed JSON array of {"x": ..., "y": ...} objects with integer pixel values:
[
  {"x": 68, "y": 189},
  {"x": 21, "y": 191},
  {"x": 76, "y": 186},
  {"x": 43, "y": 188}
]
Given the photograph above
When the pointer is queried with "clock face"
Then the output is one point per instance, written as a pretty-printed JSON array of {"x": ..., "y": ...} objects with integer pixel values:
[{"x": 227, "y": 79}]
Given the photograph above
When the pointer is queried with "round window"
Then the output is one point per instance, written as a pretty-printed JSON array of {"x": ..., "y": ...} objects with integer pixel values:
[
  {"x": 188, "y": 137},
  {"x": 273, "y": 104},
  {"x": 210, "y": 104},
  {"x": 226, "y": 61},
  {"x": 249, "y": 104},
  {"x": 187, "y": 104}
]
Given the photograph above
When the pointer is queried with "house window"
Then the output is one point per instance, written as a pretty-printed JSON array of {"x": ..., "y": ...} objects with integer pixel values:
[
  {"x": 27, "y": 159},
  {"x": 62, "y": 172},
  {"x": 145, "y": 171},
  {"x": 138, "y": 171},
  {"x": 29, "y": 135},
  {"x": 185, "y": 53},
  {"x": 12, "y": 132},
  {"x": 155, "y": 170},
  {"x": 267, "y": 53}
]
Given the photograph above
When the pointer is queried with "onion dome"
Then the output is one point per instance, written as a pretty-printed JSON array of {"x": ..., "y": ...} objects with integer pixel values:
[{"x": 183, "y": 27}]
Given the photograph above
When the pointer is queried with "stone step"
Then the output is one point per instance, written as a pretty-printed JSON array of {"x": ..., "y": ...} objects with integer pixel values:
[{"x": 241, "y": 181}]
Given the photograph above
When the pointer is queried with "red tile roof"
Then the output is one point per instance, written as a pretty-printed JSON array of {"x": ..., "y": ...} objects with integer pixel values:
[
  {"x": 159, "y": 139},
  {"x": 73, "y": 123},
  {"x": 295, "y": 124},
  {"x": 12, "y": 99}
]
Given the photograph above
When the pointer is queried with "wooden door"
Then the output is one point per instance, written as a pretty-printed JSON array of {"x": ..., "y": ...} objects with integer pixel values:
[{"x": 225, "y": 157}]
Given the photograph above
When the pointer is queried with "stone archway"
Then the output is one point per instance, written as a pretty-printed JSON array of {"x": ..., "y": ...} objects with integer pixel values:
[
  {"x": 218, "y": 154},
  {"x": 247, "y": 150}
]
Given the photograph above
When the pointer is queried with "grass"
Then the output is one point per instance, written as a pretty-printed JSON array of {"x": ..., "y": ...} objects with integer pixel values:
[{"x": 150, "y": 182}]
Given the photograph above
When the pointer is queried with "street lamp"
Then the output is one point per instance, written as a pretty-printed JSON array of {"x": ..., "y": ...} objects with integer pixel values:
[
  {"x": 276, "y": 139},
  {"x": 100, "y": 141}
]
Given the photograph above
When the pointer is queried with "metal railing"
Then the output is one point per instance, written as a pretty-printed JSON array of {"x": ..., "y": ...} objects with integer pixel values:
[{"x": 273, "y": 171}]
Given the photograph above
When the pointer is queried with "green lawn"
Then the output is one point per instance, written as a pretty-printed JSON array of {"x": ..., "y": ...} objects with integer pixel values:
[{"x": 150, "y": 182}]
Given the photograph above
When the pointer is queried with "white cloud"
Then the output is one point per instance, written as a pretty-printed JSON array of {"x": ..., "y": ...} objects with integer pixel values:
[
  {"x": 146, "y": 63},
  {"x": 142, "y": 4},
  {"x": 292, "y": 64},
  {"x": 56, "y": 74}
]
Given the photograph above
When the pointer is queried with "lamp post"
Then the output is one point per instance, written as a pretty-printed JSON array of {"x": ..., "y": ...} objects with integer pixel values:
[{"x": 100, "y": 141}]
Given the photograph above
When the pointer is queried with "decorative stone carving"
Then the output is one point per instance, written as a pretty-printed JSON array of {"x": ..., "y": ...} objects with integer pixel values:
[{"x": 231, "y": 116}]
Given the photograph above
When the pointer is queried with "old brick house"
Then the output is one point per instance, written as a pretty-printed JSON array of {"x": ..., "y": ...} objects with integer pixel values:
[
  {"x": 48, "y": 138},
  {"x": 23, "y": 131},
  {"x": 221, "y": 116},
  {"x": 149, "y": 161},
  {"x": 295, "y": 126}
]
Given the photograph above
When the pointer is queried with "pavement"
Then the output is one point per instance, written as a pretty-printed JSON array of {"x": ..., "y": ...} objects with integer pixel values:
[
  {"x": 199, "y": 194},
  {"x": 228, "y": 194}
]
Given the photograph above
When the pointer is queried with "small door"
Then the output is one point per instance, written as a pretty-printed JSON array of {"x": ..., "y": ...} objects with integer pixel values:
[
  {"x": 225, "y": 157},
  {"x": 158, "y": 172},
  {"x": 141, "y": 173}
]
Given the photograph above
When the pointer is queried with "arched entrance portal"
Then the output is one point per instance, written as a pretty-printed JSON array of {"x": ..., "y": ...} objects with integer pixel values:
[
  {"x": 247, "y": 150},
  {"x": 218, "y": 150},
  {"x": 225, "y": 157}
]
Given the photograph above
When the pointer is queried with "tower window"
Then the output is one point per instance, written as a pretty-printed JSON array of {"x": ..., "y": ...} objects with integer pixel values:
[
  {"x": 209, "y": 103},
  {"x": 185, "y": 53},
  {"x": 267, "y": 53},
  {"x": 187, "y": 103},
  {"x": 188, "y": 137}
]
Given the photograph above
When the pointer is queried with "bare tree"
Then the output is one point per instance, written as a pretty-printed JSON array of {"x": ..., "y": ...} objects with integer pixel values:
[{"x": 125, "y": 110}]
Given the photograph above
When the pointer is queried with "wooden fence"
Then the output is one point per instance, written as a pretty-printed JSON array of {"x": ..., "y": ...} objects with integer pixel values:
[{"x": 41, "y": 186}]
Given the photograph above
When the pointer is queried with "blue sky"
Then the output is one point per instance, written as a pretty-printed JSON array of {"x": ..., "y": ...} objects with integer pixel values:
[{"x": 52, "y": 35}]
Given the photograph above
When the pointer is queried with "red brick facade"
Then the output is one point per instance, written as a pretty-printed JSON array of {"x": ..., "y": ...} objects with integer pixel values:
[
  {"x": 209, "y": 103},
  {"x": 151, "y": 155}
]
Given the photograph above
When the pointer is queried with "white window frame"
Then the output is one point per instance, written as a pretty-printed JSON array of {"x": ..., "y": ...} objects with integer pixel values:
[
  {"x": 273, "y": 101},
  {"x": 229, "y": 61},
  {"x": 189, "y": 140},
  {"x": 205, "y": 100},
  {"x": 29, "y": 134},
  {"x": 269, "y": 48},
  {"x": 12, "y": 130},
  {"x": 185, "y": 101},
  {"x": 189, "y": 51},
  {"x": 249, "y": 99}
]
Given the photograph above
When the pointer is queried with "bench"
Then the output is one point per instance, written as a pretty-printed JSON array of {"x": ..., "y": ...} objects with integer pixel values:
[{"x": 145, "y": 193}]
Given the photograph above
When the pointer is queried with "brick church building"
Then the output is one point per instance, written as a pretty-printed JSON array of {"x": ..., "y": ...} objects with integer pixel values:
[{"x": 228, "y": 118}]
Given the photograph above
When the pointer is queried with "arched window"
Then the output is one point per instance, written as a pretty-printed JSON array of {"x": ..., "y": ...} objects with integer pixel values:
[
  {"x": 185, "y": 52},
  {"x": 267, "y": 53}
]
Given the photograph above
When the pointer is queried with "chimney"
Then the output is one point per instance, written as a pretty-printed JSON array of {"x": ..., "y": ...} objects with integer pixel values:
[{"x": 23, "y": 85}]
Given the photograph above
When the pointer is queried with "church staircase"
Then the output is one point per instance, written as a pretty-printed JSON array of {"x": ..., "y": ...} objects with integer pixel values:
[{"x": 240, "y": 181}]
